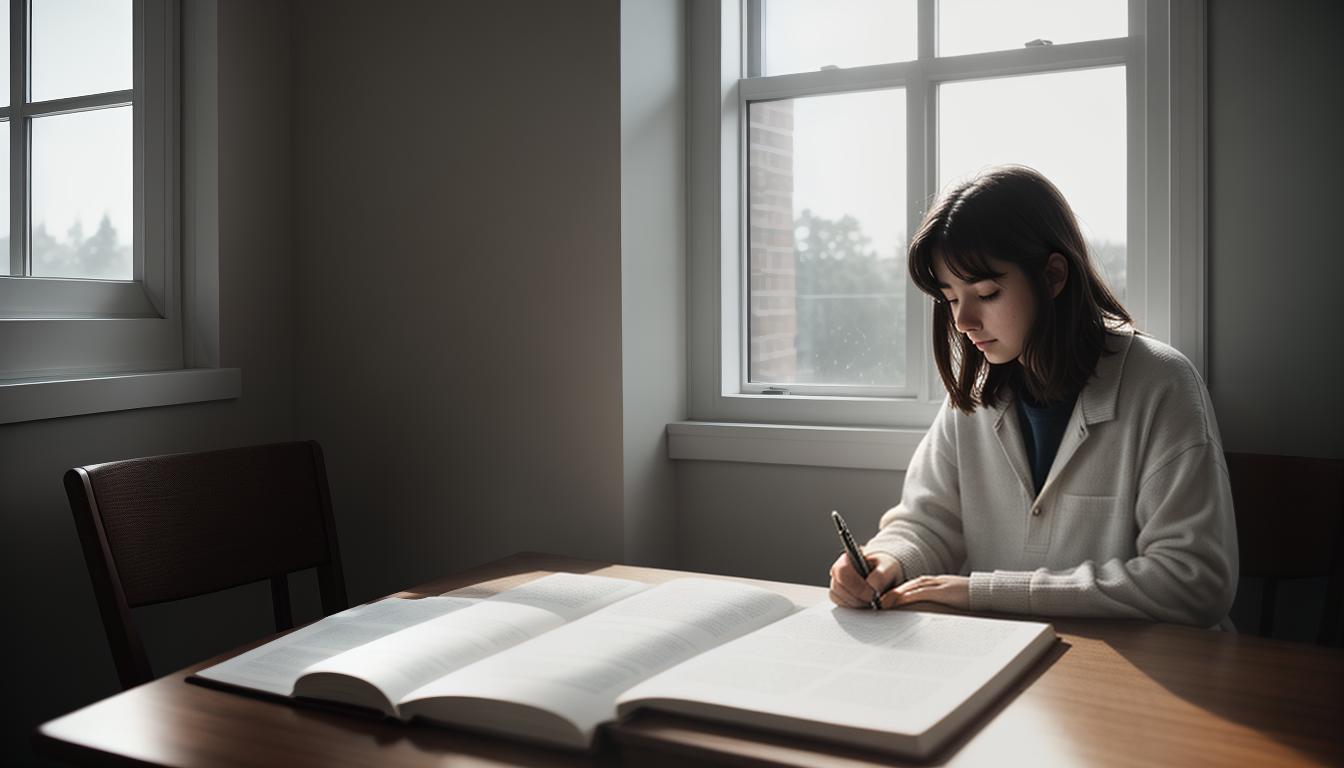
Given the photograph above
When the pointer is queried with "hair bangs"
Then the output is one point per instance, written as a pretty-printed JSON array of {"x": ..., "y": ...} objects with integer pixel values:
[
  {"x": 967, "y": 261},
  {"x": 966, "y": 258}
]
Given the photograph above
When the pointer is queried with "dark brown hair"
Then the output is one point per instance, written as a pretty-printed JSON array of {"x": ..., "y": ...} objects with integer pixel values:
[{"x": 1014, "y": 214}]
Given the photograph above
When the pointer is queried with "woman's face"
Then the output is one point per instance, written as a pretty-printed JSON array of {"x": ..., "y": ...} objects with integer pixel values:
[{"x": 995, "y": 314}]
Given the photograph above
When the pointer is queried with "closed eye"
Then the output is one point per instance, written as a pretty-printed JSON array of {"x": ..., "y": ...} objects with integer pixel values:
[{"x": 986, "y": 297}]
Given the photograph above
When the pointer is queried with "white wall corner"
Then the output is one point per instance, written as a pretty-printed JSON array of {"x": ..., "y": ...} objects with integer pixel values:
[{"x": 653, "y": 270}]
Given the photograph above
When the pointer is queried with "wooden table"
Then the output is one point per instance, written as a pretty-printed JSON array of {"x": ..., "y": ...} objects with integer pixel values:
[{"x": 1111, "y": 693}]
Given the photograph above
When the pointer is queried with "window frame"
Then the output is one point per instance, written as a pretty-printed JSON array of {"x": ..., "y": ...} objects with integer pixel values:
[
  {"x": 1164, "y": 60},
  {"x": 51, "y": 327}
]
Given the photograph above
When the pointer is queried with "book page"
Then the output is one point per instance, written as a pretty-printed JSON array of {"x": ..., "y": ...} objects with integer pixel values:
[
  {"x": 402, "y": 661},
  {"x": 891, "y": 671},
  {"x": 578, "y": 670},
  {"x": 275, "y": 666}
]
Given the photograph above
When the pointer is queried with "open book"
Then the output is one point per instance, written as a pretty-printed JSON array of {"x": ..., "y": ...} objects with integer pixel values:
[{"x": 552, "y": 660}]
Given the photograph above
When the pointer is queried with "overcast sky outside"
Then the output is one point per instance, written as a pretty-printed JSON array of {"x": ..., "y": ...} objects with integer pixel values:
[
  {"x": 849, "y": 151},
  {"x": 81, "y": 162}
]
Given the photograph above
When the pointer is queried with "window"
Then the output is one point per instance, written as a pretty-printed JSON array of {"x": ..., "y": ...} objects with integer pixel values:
[
  {"x": 821, "y": 131},
  {"x": 93, "y": 302},
  {"x": 88, "y": 224}
]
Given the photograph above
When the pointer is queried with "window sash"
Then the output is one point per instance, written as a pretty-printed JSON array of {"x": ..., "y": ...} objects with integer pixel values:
[
  {"x": 1165, "y": 82},
  {"x": 45, "y": 323},
  {"x": 920, "y": 80}
]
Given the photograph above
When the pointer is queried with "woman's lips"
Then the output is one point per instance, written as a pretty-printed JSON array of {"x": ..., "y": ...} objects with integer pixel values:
[{"x": 985, "y": 343}]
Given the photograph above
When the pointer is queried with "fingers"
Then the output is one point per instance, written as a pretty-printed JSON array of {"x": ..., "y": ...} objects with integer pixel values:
[
  {"x": 916, "y": 590},
  {"x": 846, "y": 600},
  {"x": 945, "y": 589},
  {"x": 841, "y": 596},
  {"x": 889, "y": 599},
  {"x": 885, "y": 570},
  {"x": 847, "y": 587}
]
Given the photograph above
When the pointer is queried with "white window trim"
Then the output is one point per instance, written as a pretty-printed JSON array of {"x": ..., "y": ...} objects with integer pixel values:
[
  {"x": 1165, "y": 60},
  {"x": 33, "y": 400},
  {"x": 849, "y": 447},
  {"x": 70, "y": 347}
]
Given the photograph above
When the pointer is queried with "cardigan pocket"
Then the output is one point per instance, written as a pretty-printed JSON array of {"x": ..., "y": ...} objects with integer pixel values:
[{"x": 1088, "y": 528}]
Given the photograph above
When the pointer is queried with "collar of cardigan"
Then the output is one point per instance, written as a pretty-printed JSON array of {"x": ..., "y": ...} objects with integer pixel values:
[{"x": 1097, "y": 400}]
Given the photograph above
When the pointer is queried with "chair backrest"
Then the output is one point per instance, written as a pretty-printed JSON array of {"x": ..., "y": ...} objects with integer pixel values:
[
  {"x": 162, "y": 528},
  {"x": 1290, "y": 524}
]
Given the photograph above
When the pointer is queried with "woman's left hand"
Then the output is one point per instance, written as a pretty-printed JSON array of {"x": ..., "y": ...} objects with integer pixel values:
[{"x": 954, "y": 591}]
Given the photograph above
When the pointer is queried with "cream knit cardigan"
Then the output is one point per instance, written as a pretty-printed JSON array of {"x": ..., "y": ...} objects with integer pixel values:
[{"x": 1134, "y": 520}]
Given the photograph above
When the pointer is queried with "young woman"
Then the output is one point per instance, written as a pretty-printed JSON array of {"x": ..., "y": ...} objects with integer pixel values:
[{"x": 1076, "y": 467}]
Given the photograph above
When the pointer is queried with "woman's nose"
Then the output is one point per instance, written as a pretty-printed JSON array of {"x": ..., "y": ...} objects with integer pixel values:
[{"x": 965, "y": 319}]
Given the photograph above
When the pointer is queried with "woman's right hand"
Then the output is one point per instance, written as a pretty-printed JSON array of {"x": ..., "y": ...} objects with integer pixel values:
[{"x": 852, "y": 591}]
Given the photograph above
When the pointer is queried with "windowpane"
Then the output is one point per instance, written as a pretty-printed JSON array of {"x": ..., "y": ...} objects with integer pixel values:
[
  {"x": 1070, "y": 126},
  {"x": 975, "y": 26},
  {"x": 80, "y": 47},
  {"x": 805, "y": 35},
  {"x": 826, "y": 192},
  {"x": 82, "y": 195}
]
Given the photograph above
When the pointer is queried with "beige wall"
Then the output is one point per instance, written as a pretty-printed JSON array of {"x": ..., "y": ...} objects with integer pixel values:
[
  {"x": 457, "y": 227},
  {"x": 773, "y": 521},
  {"x": 1276, "y": 263}
]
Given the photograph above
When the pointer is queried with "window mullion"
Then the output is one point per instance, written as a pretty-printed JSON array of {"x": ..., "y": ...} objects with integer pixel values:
[
  {"x": 921, "y": 170},
  {"x": 754, "y": 26},
  {"x": 80, "y": 103},
  {"x": 18, "y": 138},
  {"x": 927, "y": 21},
  {"x": 826, "y": 81},
  {"x": 1021, "y": 61},
  {"x": 918, "y": 106},
  {"x": 1136, "y": 137}
]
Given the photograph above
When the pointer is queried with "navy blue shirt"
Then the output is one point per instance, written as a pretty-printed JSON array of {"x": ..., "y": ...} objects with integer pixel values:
[{"x": 1043, "y": 427}]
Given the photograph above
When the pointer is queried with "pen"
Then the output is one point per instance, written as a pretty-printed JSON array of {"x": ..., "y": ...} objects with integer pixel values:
[{"x": 852, "y": 550}]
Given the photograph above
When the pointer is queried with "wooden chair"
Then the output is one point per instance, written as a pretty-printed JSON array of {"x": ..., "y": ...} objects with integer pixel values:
[
  {"x": 163, "y": 528},
  {"x": 1290, "y": 524}
]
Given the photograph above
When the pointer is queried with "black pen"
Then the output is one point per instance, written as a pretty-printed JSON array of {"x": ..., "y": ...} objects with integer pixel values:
[{"x": 852, "y": 550}]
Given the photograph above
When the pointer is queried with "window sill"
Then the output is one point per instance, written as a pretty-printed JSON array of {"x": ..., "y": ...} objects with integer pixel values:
[
  {"x": 848, "y": 447},
  {"x": 56, "y": 397}
]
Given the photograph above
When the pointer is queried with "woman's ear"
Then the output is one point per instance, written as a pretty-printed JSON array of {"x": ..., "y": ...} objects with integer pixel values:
[{"x": 1056, "y": 273}]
